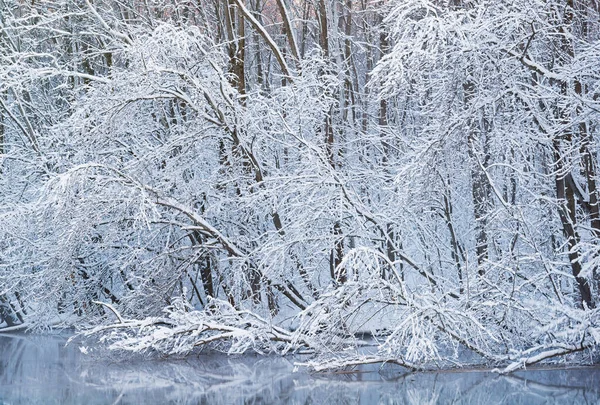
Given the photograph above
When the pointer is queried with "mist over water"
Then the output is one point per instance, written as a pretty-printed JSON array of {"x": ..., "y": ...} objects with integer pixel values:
[{"x": 38, "y": 369}]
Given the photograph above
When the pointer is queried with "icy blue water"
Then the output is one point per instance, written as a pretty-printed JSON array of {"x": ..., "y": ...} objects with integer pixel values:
[{"x": 41, "y": 370}]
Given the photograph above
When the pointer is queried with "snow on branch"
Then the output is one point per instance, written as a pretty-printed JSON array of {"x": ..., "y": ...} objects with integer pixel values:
[{"x": 218, "y": 326}]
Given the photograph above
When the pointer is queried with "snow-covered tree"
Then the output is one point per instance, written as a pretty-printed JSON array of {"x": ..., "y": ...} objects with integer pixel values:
[{"x": 276, "y": 175}]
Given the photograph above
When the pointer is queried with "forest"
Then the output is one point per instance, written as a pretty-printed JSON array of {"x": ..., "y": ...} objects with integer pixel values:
[{"x": 369, "y": 181}]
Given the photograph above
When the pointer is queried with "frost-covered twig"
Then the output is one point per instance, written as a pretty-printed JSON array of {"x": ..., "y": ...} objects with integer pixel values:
[
  {"x": 338, "y": 364},
  {"x": 114, "y": 311},
  {"x": 544, "y": 355},
  {"x": 218, "y": 326}
]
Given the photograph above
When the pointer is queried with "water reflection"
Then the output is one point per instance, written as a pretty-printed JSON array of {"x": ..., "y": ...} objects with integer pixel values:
[{"x": 40, "y": 370}]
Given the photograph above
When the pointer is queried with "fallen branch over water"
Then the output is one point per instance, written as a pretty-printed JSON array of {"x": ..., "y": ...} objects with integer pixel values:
[
  {"x": 544, "y": 355},
  {"x": 338, "y": 364},
  {"x": 425, "y": 332},
  {"x": 16, "y": 328},
  {"x": 220, "y": 326}
]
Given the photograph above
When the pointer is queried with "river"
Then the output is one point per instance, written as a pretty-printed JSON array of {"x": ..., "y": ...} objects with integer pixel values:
[{"x": 40, "y": 369}]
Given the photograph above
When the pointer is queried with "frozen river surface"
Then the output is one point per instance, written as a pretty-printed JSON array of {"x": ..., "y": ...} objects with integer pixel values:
[{"x": 41, "y": 370}]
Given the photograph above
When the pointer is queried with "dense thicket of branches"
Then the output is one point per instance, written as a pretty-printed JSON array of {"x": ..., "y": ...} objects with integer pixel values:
[{"x": 277, "y": 174}]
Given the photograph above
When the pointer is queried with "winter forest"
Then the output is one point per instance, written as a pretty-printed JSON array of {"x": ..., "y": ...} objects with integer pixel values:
[{"x": 277, "y": 176}]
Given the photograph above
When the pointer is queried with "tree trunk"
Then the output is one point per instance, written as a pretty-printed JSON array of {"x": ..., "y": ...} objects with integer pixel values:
[
  {"x": 7, "y": 314},
  {"x": 566, "y": 189},
  {"x": 481, "y": 194}
]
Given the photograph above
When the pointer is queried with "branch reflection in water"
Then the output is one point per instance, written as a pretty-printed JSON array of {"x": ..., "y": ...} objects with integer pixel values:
[{"x": 41, "y": 370}]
